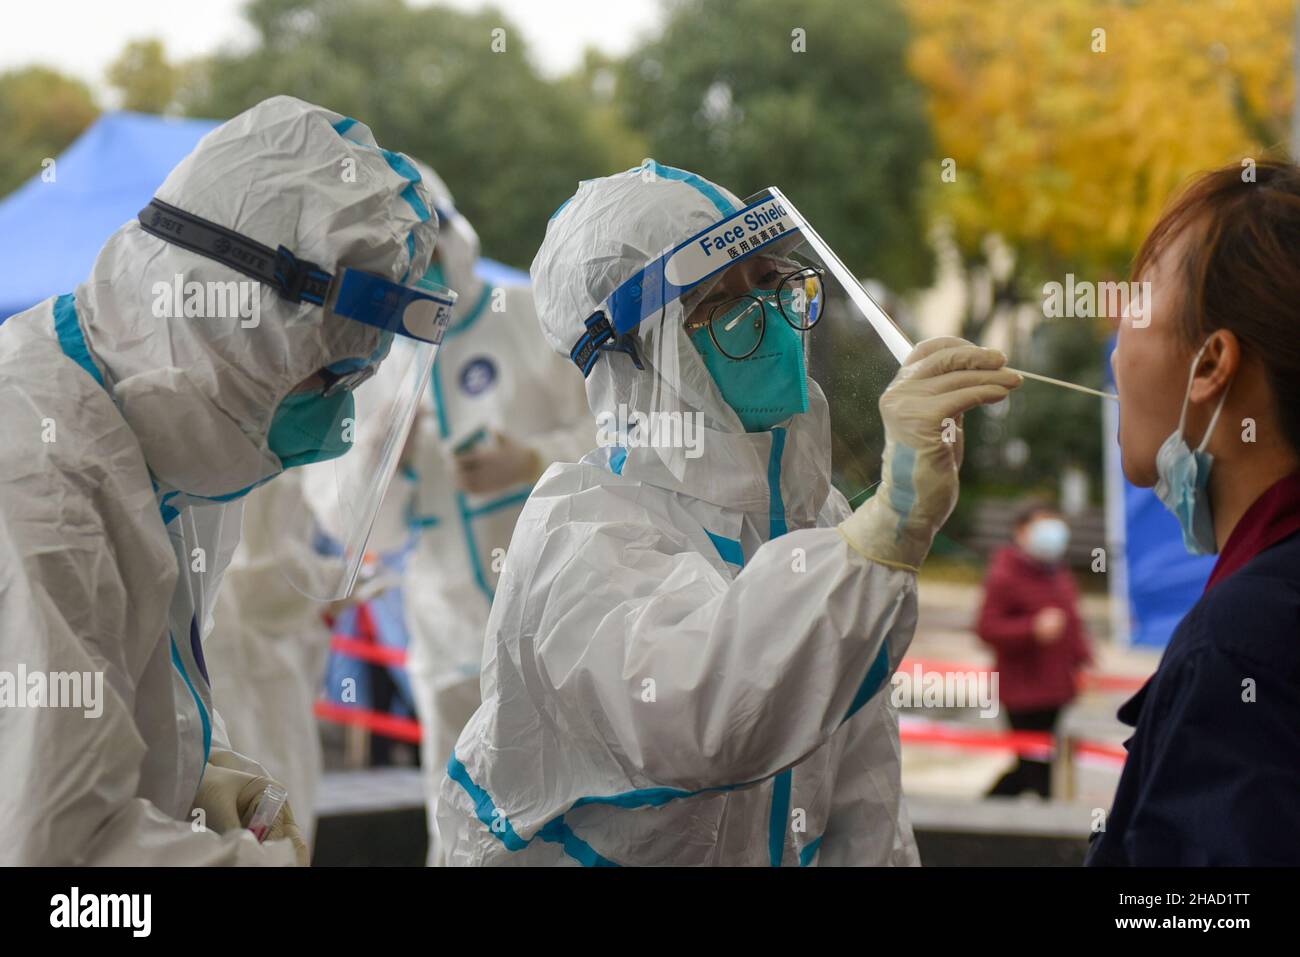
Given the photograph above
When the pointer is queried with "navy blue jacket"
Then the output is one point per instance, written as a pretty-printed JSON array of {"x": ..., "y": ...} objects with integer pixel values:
[{"x": 1212, "y": 776}]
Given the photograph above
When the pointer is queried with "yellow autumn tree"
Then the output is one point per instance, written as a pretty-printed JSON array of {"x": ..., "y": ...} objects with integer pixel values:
[{"x": 1071, "y": 122}]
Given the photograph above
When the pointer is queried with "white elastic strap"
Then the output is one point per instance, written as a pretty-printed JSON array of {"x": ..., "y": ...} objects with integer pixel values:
[
  {"x": 1187, "y": 398},
  {"x": 1209, "y": 429},
  {"x": 1187, "y": 393}
]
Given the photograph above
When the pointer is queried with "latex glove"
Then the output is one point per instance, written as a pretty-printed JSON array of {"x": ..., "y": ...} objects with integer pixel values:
[
  {"x": 228, "y": 799},
  {"x": 1049, "y": 625},
  {"x": 921, "y": 410},
  {"x": 502, "y": 464}
]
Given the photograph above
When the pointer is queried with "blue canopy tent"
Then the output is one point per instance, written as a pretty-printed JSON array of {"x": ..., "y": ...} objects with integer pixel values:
[{"x": 51, "y": 232}]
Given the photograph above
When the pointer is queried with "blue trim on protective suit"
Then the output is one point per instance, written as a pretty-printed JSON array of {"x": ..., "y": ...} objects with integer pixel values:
[
  {"x": 402, "y": 167},
  {"x": 810, "y": 851},
  {"x": 496, "y": 505},
  {"x": 472, "y": 317},
  {"x": 780, "y": 812},
  {"x": 554, "y": 832},
  {"x": 707, "y": 189},
  {"x": 71, "y": 338},
  {"x": 876, "y": 677},
  {"x": 776, "y": 508},
  {"x": 467, "y": 514},
  {"x": 728, "y": 548},
  {"x": 179, "y": 665},
  {"x": 617, "y": 459}
]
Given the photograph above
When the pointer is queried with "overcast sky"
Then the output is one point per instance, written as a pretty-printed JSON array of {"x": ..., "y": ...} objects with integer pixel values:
[{"x": 82, "y": 37}]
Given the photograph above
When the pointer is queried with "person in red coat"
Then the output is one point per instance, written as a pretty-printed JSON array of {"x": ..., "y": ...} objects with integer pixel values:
[{"x": 1030, "y": 618}]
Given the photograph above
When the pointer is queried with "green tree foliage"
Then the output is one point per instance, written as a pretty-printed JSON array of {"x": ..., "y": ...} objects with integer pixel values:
[
  {"x": 41, "y": 112},
  {"x": 840, "y": 127},
  {"x": 435, "y": 83},
  {"x": 146, "y": 79}
]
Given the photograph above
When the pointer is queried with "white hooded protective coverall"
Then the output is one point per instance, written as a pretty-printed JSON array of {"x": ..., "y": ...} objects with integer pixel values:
[
  {"x": 269, "y": 645},
  {"x": 494, "y": 372},
  {"x": 682, "y": 665},
  {"x": 120, "y": 432}
]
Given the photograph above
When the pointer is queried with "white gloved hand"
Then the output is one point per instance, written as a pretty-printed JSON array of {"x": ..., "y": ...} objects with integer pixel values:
[
  {"x": 503, "y": 464},
  {"x": 921, "y": 410},
  {"x": 228, "y": 799}
]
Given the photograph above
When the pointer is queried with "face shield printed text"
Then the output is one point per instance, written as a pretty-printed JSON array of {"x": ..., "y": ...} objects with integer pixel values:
[{"x": 724, "y": 243}]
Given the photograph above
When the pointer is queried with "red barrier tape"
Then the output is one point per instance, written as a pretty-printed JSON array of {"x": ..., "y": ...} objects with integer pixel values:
[
  {"x": 1035, "y": 745},
  {"x": 366, "y": 651},
  {"x": 389, "y": 725},
  {"x": 383, "y": 655},
  {"x": 1031, "y": 744}
]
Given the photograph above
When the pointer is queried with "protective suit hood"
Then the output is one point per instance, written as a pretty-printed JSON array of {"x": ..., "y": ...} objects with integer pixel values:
[
  {"x": 458, "y": 246},
  {"x": 200, "y": 397},
  {"x": 608, "y": 230}
]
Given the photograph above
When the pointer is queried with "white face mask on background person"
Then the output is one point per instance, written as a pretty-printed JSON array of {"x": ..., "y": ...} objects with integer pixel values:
[{"x": 1047, "y": 539}]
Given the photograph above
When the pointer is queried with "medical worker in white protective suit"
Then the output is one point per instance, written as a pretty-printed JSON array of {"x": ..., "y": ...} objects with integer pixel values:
[
  {"x": 663, "y": 682},
  {"x": 217, "y": 342},
  {"x": 512, "y": 407}
]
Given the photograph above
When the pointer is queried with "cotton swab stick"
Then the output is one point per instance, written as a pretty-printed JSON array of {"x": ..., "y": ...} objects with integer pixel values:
[
  {"x": 893, "y": 337},
  {"x": 1063, "y": 384}
]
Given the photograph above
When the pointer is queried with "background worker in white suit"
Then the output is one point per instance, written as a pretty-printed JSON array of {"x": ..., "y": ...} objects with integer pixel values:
[
  {"x": 269, "y": 645},
  {"x": 117, "y": 528},
  {"x": 501, "y": 407}
]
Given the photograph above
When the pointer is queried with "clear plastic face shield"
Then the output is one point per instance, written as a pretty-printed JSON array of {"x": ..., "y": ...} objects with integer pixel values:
[
  {"x": 346, "y": 427},
  {"x": 342, "y": 495},
  {"x": 750, "y": 325}
]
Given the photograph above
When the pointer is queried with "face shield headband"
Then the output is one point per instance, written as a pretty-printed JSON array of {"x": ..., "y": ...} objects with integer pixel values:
[
  {"x": 768, "y": 219},
  {"x": 419, "y": 313}
]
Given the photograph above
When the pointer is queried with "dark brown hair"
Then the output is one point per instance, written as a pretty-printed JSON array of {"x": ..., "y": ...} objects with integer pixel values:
[
  {"x": 1242, "y": 269},
  {"x": 1029, "y": 510}
]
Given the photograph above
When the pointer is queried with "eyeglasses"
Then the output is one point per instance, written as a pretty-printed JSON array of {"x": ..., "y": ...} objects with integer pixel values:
[{"x": 736, "y": 325}]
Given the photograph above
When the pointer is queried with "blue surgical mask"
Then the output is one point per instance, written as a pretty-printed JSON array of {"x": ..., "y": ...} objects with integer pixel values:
[
  {"x": 769, "y": 386},
  {"x": 1184, "y": 477},
  {"x": 310, "y": 427},
  {"x": 1047, "y": 539}
]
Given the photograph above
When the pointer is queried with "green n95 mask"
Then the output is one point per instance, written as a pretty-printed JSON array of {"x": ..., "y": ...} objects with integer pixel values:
[
  {"x": 310, "y": 427},
  {"x": 770, "y": 383}
]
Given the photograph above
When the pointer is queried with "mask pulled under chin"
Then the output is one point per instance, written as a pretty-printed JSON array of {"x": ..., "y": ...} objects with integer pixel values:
[
  {"x": 1184, "y": 488},
  {"x": 1183, "y": 483}
]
